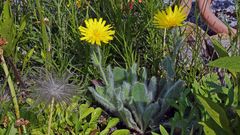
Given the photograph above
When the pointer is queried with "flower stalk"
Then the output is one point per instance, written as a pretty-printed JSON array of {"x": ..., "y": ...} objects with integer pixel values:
[
  {"x": 97, "y": 32},
  {"x": 100, "y": 65},
  {"x": 97, "y": 61},
  {"x": 50, "y": 117},
  {"x": 164, "y": 41}
]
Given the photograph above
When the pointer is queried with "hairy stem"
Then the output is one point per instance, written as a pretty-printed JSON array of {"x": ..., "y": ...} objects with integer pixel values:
[
  {"x": 50, "y": 117},
  {"x": 164, "y": 42},
  {"x": 100, "y": 65}
]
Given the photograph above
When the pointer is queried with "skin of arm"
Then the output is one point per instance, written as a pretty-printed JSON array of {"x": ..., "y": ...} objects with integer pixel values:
[{"x": 209, "y": 17}]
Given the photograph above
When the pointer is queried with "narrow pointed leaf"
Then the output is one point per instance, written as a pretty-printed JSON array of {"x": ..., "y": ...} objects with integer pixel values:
[
  {"x": 222, "y": 52},
  {"x": 230, "y": 63},
  {"x": 215, "y": 111}
]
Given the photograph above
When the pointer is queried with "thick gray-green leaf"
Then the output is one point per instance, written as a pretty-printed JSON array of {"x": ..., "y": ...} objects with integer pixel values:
[
  {"x": 105, "y": 102},
  {"x": 127, "y": 118},
  {"x": 230, "y": 63},
  {"x": 110, "y": 78},
  {"x": 168, "y": 65},
  {"x": 139, "y": 93},
  {"x": 133, "y": 75},
  {"x": 152, "y": 88},
  {"x": 119, "y": 74},
  {"x": 149, "y": 112},
  {"x": 171, "y": 90},
  {"x": 100, "y": 90},
  {"x": 144, "y": 74},
  {"x": 125, "y": 92}
]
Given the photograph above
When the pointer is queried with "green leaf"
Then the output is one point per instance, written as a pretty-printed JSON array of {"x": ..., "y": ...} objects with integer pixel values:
[
  {"x": 230, "y": 63},
  {"x": 85, "y": 111},
  {"x": 163, "y": 131},
  {"x": 2, "y": 131},
  {"x": 69, "y": 112},
  {"x": 22, "y": 27},
  {"x": 222, "y": 52},
  {"x": 94, "y": 117},
  {"x": 211, "y": 128},
  {"x": 111, "y": 123},
  {"x": 7, "y": 28},
  {"x": 207, "y": 129},
  {"x": 235, "y": 96},
  {"x": 12, "y": 130},
  {"x": 238, "y": 111},
  {"x": 215, "y": 111},
  {"x": 121, "y": 132},
  {"x": 153, "y": 133},
  {"x": 27, "y": 58}
]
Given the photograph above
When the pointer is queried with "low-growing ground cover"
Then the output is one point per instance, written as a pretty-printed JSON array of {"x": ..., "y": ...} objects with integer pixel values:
[{"x": 89, "y": 67}]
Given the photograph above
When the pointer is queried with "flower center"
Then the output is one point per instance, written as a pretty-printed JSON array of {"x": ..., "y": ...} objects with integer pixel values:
[
  {"x": 96, "y": 33},
  {"x": 171, "y": 20}
]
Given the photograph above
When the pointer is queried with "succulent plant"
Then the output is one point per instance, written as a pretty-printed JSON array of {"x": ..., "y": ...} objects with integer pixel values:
[{"x": 136, "y": 100}]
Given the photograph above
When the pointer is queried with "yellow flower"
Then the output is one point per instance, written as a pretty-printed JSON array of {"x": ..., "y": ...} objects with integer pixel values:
[
  {"x": 96, "y": 31},
  {"x": 169, "y": 18},
  {"x": 78, "y": 3}
]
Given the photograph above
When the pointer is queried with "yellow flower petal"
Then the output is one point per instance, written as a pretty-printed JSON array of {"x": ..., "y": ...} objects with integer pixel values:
[
  {"x": 96, "y": 32},
  {"x": 169, "y": 18}
]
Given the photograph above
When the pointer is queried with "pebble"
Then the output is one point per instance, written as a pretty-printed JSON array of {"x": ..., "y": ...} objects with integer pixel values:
[{"x": 225, "y": 10}]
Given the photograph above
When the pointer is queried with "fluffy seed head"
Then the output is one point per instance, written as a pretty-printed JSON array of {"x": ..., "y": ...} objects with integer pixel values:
[{"x": 49, "y": 85}]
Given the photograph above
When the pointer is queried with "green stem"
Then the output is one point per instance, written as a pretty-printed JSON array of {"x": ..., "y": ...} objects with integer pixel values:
[
  {"x": 50, "y": 117},
  {"x": 100, "y": 65},
  {"x": 24, "y": 130},
  {"x": 11, "y": 87}
]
